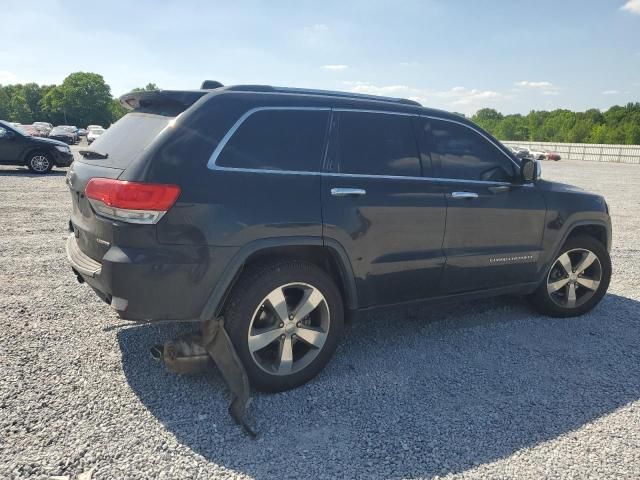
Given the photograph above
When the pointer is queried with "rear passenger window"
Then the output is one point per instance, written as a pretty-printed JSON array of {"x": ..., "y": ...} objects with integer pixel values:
[
  {"x": 466, "y": 155},
  {"x": 377, "y": 144},
  {"x": 278, "y": 140}
]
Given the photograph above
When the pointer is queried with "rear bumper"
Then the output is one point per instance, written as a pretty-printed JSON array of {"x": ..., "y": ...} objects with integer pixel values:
[{"x": 152, "y": 284}]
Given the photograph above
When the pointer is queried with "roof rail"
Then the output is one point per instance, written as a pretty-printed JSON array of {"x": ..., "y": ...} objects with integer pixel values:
[{"x": 326, "y": 93}]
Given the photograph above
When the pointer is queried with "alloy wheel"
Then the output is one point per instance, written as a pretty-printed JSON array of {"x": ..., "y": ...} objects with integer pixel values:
[
  {"x": 574, "y": 278},
  {"x": 39, "y": 163},
  {"x": 289, "y": 328}
]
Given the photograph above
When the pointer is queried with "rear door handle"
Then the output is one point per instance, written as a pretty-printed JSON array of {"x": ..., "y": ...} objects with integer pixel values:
[
  {"x": 464, "y": 195},
  {"x": 346, "y": 192}
]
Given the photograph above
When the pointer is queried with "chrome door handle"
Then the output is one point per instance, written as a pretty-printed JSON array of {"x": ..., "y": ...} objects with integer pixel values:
[
  {"x": 345, "y": 192},
  {"x": 464, "y": 195}
]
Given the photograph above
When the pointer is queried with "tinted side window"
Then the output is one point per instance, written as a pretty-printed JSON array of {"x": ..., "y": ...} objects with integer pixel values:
[
  {"x": 3, "y": 132},
  {"x": 377, "y": 144},
  {"x": 466, "y": 155},
  {"x": 278, "y": 140}
]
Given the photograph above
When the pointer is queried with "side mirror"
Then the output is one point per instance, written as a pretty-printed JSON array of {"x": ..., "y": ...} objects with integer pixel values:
[{"x": 530, "y": 170}]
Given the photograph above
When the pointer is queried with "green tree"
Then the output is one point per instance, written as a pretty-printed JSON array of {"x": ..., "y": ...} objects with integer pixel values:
[
  {"x": 148, "y": 88},
  {"x": 85, "y": 99},
  {"x": 117, "y": 110},
  {"x": 4, "y": 103},
  {"x": 513, "y": 127},
  {"x": 19, "y": 110},
  {"x": 487, "y": 118}
]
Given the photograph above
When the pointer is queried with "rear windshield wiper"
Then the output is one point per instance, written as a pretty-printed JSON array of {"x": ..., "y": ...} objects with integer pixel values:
[{"x": 93, "y": 153}]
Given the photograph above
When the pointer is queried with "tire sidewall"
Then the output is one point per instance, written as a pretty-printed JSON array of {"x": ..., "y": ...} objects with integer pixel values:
[{"x": 247, "y": 296}]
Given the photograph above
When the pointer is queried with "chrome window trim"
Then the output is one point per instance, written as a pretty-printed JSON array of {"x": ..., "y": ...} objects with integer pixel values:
[
  {"x": 212, "y": 165},
  {"x": 360, "y": 175},
  {"x": 364, "y": 110}
]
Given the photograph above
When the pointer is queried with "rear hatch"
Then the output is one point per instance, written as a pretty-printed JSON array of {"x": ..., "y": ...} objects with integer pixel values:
[{"x": 110, "y": 155}]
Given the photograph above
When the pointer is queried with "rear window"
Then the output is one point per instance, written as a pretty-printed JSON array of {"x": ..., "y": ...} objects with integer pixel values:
[
  {"x": 127, "y": 138},
  {"x": 278, "y": 140}
]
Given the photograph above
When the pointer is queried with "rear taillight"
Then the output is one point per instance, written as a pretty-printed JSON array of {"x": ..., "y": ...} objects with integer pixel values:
[{"x": 132, "y": 202}]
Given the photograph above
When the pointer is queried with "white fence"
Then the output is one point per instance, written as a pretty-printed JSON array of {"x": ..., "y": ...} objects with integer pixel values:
[{"x": 586, "y": 151}]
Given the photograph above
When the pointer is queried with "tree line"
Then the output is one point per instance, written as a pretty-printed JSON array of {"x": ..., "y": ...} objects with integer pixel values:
[
  {"x": 617, "y": 125},
  {"x": 82, "y": 99}
]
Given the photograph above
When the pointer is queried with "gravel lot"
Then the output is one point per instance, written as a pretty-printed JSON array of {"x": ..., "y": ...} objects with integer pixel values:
[{"x": 479, "y": 390}]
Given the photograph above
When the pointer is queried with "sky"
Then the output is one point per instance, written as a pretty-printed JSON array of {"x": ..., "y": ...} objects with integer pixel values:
[{"x": 459, "y": 55}]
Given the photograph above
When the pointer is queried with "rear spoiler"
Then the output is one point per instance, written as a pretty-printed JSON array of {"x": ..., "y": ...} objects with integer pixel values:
[{"x": 163, "y": 102}]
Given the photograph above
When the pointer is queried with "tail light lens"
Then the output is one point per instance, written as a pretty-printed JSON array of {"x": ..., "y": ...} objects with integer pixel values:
[{"x": 132, "y": 202}]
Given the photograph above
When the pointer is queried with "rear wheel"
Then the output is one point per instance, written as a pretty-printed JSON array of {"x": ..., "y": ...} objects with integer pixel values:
[
  {"x": 577, "y": 280},
  {"x": 39, "y": 162},
  {"x": 285, "y": 320}
]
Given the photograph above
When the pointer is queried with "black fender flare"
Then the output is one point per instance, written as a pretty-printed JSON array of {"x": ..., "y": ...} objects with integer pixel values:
[
  {"x": 235, "y": 266},
  {"x": 567, "y": 230}
]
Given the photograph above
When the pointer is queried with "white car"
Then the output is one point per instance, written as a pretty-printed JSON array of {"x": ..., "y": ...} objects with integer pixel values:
[
  {"x": 94, "y": 133},
  {"x": 537, "y": 155}
]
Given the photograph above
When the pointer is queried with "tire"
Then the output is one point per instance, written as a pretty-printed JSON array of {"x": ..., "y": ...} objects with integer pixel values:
[
  {"x": 39, "y": 162},
  {"x": 586, "y": 295},
  {"x": 250, "y": 309}
]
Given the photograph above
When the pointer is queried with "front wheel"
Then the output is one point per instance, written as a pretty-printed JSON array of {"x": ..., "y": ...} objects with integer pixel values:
[
  {"x": 285, "y": 320},
  {"x": 39, "y": 162},
  {"x": 577, "y": 280}
]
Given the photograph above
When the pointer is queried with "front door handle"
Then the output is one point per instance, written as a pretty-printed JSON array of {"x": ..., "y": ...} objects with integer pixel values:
[
  {"x": 346, "y": 192},
  {"x": 468, "y": 195}
]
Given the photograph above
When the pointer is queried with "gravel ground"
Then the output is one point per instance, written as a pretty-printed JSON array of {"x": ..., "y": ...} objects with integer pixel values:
[{"x": 478, "y": 390}]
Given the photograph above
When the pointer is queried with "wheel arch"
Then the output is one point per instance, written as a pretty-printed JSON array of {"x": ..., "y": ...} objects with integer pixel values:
[
  {"x": 597, "y": 228},
  {"x": 35, "y": 149},
  {"x": 330, "y": 256}
]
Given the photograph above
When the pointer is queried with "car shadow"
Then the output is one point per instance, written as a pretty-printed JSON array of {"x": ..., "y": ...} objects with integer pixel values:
[
  {"x": 25, "y": 172},
  {"x": 440, "y": 392}
]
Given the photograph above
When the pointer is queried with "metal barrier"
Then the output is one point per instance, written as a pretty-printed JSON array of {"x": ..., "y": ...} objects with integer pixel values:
[{"x": 586, "y": 151}]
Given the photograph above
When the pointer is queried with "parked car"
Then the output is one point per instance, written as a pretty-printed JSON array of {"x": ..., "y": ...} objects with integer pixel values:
[
  {"x": 82, "y": 132},
  {"x": 89, "y": 127},
  {"x": 29, "y": 130},
  {"x": 94, "y": 133},
  {"x": 73, "y": 130},
  {"x": 42, "y": 130},
  {"x": 63, "y": 135},
  {"x": 552, "y": 156},
  {"x": 519, "y": 152},
  {"x": 40, "y": 155},
  {"x": 537, "y": 155},
  {"x": 283, "y": 210},
  {"x": 43, "y": 126}
]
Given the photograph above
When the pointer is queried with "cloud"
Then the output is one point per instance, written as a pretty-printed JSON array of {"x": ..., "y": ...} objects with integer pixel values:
[
  {"x": 632, "y": 6},
  {"x": 460, "y": 98},
  {"x": 7, "y": 77},
  {"x": 319, "y": 27},
  {"x": 409, "y": 64},
  {"x": 335, "y": 67},
  {"x": 611, "y": 92},
  {"x": 529, "y": 84}
]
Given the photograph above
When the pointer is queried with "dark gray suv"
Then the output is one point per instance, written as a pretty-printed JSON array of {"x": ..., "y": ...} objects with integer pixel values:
[{"x": 286, "y": 210}]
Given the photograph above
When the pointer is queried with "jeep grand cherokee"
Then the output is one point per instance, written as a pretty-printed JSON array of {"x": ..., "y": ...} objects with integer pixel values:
[{"x": 286, "y": 209}]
